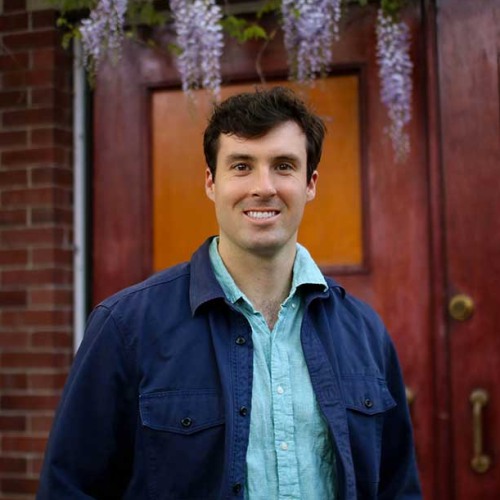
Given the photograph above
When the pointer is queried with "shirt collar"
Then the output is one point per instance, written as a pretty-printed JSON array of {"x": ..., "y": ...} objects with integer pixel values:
[
  {"x": 305, "y": 272},
  {"x": 204, "y": 286}
]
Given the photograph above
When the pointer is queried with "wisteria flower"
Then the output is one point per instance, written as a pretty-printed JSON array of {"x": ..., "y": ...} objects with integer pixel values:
[
  {"x": 200, "y": 40},
  {"x": 395, "y": 68},
  {"x": 102, "y": 32},
  {"x": 310, "y": 27}
]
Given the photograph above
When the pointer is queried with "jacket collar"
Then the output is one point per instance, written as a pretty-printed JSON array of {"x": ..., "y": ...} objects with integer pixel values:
[{"x": 203, "y": 286}]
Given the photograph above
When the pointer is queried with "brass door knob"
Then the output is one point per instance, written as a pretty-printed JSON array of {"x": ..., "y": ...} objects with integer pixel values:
[{"x": 461, "y": 307}]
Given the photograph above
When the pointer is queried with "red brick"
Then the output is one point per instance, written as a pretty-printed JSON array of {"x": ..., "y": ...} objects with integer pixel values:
[
  {"x": 31, "y": 40},
  {"x": 13, "y": 340},
  {"x": 12, "y": 464},
  {"x": 13, "y": 99},
  {"x": 13, "y": 178},
  {"x": 12, "y": 298},
  {"x": 36, "y": 196},
  {"x": 29, "y": 402},
  {"x": 33, "y": 236},
  {"x": 13, "y": 5},
  {"x": 23, "y": 359},
  {"x": 13, "y": 139},
  {"x": 20, "y": 485},
  {"x": 43, "y": 19},
  {"x": 47, "y": 380},
  {"x": 13, "y": 22},
  {"x": 41, "y": 423},
  {"x": 14, "y": 61},
  {"x": 31, "y": 78},
  {"x": 58, "y": 256},
  {"x": 51, "y": 137},
  {"x": 51, "y": 296},
  {"x": 37, "y": 156},
  {"x": 23, "y": 277},
  {"x": 52, "y": 175},
  {"x": 25, "y": 117},
  {"x": 51, "y": 216},
  {"x": 13, "y": 381},
  {"x": 13, "y": 257},
  {"x": 53, "y": 339},
  {"x": 24, "y": 443},
  {"x": 12, "y": 318},
  {"x": 12, "y": 217}
]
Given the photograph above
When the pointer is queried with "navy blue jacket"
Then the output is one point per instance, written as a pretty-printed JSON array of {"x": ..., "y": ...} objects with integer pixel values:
[{"x": 154, "y": 405}]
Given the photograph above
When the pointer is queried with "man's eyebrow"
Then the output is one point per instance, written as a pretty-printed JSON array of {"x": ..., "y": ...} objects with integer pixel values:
[{"x": 239, "y": 157}]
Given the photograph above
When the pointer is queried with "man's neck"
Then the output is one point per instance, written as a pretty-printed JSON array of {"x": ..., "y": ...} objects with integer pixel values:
[{"x": 264, "y": 279}]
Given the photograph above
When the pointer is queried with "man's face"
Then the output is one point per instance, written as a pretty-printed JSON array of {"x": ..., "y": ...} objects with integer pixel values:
[{"x": 260, "y": 190}]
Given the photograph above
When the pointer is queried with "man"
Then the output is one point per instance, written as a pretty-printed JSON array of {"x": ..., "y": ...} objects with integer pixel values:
[{"x": 244, "y": 373}]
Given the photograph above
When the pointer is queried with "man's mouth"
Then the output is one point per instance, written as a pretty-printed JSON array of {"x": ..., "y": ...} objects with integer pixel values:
[{"x": 261, "y": 214}]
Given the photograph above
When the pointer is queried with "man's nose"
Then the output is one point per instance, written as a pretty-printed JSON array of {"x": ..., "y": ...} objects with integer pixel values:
[{"x": 263, "y": 183}]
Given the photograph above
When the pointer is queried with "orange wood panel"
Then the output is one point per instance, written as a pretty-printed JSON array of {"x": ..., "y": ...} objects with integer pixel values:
[{"x": 183, "y": 216}]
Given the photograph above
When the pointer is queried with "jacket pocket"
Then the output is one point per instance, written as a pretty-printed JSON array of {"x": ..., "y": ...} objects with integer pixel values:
[
  {"x": 183, "y": 438},
  {"x": 367, "y": 400}
]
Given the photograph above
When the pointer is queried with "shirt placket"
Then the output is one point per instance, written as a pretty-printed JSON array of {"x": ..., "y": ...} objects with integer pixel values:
[{"x": 282, "y": 409}]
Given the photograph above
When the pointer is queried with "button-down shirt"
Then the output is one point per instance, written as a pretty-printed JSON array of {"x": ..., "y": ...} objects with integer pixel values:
[{"x": 290, "y": 454}]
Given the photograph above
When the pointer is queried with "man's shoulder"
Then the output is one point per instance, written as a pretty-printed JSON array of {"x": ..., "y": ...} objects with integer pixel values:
[
  {"x": 353, "y": 307},
  {"x": 160, "y": 283}
]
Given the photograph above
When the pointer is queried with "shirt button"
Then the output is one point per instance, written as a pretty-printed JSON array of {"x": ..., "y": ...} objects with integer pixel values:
[
  {"x": 284, "y": 446},
  {"x": 240, "y": 340},
  {"x": 280, "y": 390},
  {"x": 368, "y": 403},
  {"x": 186, "y": 422},
  {"x": 243, "y": 411},
  {"x": 237, "y": 488},
  {"x": 294, "y": 305}
]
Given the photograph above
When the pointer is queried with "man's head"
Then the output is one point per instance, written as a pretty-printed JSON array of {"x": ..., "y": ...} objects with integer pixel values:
[{"x": 253, "y": 114}]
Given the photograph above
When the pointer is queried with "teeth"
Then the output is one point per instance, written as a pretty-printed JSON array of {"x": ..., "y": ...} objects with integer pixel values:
[{"x": 261, "y": 215}]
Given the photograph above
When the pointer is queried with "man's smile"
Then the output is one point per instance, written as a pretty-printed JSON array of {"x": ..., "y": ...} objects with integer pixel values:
[{"x": 261, "y": 214}]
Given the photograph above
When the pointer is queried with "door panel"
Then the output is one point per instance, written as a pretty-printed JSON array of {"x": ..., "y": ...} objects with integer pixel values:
[
  {"x": 395, "y": 274},
  {"x": 469, "y": 48}
]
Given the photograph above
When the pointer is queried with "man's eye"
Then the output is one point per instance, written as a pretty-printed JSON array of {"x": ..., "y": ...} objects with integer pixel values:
[
  {"x": 283, "y": 167},
  {"x": 240, "y": 167}
]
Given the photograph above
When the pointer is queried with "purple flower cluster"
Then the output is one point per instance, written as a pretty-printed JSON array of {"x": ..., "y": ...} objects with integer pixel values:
[
  {"x": 310, "y": 26},
  {"x": 200, "y": 39},
  {"x": 102, "y": 32},
  {"x": 395, "y": 68}
]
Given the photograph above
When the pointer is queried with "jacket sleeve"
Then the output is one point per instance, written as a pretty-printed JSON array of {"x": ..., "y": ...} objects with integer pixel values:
[
  {"x": 89, "y": 453},
  {"x": 398, "y": 475}
]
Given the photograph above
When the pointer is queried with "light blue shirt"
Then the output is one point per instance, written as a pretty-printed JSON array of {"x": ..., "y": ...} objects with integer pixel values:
[{"x": 290, "y": 453}]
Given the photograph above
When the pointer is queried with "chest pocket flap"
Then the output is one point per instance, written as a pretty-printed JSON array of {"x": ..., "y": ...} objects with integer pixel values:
[
  {"x": 183, "y": 411},
  {"x": 368, "y": 395}
]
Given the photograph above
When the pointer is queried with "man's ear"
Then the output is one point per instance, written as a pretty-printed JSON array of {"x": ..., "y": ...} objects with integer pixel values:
[
  {"x": 311, "y": 186},
  {"x": 209, "y": 184}
]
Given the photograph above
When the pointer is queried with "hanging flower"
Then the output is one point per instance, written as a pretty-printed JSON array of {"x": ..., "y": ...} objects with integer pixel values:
[
  {"x": 310, "y": 26},
  {"x": 200, "y": 40},
  {"x": 102, "y": 32},
  {"x": 395, "y": 68}
]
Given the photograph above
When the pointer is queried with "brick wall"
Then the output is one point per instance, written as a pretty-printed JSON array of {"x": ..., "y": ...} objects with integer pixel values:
[{"x": 35, "y": 237}]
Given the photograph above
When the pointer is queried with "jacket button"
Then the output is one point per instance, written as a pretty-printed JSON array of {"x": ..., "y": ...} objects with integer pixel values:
[
  {"x": 241, "y": 340},
  {"x": 368, "y": 403},
  {"x": 186, "y": 422},
  {"x": 237, "y": 488},
  {"x": 243, "y": 411}
]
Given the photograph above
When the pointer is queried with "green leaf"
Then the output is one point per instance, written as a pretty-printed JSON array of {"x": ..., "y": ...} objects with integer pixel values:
[
  {"x": 268, "y": 7},
  {"x": 254, "y": 32}
]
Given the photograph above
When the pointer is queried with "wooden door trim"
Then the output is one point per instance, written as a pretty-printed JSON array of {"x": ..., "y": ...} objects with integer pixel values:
[{"x": 443, "y": 484}]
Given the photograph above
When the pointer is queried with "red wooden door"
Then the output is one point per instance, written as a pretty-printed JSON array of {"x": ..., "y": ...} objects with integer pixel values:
[
  {"x": 469, "y": 72},
  {"x": 404, "y": 269}
]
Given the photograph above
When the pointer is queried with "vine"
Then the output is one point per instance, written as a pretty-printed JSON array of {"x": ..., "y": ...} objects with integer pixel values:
[{"x": 310, "y": 27}]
